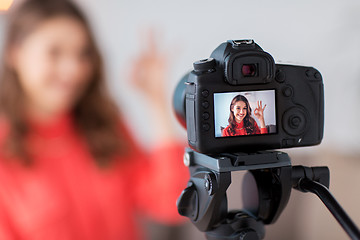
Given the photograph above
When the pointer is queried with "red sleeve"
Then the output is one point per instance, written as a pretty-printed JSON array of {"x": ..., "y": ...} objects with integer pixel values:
[
  {"x": 264, "y": 130},
  {"x": 163, "y": 183},
  {"x": 260, "y": 130},
  {"x": 157, "y": 180},
  {"x": 225, "y": 132}
]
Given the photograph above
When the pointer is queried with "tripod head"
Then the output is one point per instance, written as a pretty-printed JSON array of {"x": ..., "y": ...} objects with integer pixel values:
[{"x": 204, "y": 201}]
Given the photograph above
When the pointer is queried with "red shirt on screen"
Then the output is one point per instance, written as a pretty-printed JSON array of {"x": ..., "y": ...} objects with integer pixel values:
[
  {"x": 240, "y": 130},
  {"x": 65, "y": 195}
]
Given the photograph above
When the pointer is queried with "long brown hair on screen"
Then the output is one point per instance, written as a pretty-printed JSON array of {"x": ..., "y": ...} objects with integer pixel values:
[{"x": 95, "y": 115}]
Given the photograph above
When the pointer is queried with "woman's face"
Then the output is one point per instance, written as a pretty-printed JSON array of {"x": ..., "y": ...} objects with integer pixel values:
[
  {"x": 240, "y": 111},
  {"x": 54, "y": 65}
]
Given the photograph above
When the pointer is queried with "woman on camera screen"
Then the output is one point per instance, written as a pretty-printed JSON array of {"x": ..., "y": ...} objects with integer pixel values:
[
  {"x": 240, "y": 120},
  {"x": 69, "y": 167}
]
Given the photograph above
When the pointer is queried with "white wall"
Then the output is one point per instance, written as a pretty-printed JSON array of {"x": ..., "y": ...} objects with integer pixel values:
[{"x": 324, "y": 34}]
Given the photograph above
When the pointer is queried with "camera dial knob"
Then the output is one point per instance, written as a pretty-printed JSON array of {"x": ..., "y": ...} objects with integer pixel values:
[
  {"x": 204, "y": 65},
  {"x": 295, "y": 121}
]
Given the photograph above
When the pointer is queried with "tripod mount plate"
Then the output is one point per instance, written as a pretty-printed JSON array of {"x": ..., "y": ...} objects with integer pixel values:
[{"x": 228, "y": 162}]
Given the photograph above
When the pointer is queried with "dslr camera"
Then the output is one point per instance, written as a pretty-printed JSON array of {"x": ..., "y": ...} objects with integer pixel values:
[
  {"x": 234, "y": 105},
  {"x": 239, "y": 100}
]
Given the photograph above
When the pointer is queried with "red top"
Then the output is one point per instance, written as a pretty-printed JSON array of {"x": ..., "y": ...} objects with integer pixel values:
[
  {"x": 240, "y": 130},
  {"x": 65, "y": 195}
]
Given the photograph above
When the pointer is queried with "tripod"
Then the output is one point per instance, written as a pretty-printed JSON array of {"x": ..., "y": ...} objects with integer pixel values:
[{"x": 204, "y": 201}]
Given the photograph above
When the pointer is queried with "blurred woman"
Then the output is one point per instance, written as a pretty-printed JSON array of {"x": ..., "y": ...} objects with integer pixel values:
[
  {"x": 240, "y": 120},
  {"x": 69, "y": 168}
]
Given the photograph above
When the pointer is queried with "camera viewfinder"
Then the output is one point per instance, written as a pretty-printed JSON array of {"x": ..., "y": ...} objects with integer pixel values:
[{"x": 248, "y": 70}]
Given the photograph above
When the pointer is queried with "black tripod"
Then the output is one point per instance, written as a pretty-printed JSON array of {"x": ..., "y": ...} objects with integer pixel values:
[{"x": 204, "y": 200}]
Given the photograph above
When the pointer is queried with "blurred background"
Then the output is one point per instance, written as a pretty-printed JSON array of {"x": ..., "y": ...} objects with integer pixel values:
[{"x": 323, "y": 34}]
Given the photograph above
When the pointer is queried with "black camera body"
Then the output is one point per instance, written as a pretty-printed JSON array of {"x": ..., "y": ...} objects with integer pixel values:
[{"x": 294, "y": 98}]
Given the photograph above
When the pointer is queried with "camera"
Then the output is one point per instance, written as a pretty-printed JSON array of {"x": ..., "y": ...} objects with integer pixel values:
[
  {"x": 237, "y": 106},
  {"x": 239, "y": 100}
]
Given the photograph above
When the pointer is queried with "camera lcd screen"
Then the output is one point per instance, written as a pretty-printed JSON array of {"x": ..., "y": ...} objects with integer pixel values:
[{"x": 244, "y": 113}]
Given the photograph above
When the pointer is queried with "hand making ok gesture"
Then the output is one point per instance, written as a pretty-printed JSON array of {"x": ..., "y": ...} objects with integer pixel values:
[{"x": 259, "y": 113}]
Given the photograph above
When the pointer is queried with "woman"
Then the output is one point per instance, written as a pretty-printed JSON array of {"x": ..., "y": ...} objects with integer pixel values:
[
  {"x": 240, "y": 120},
  {"x": 68, "y": 167}
]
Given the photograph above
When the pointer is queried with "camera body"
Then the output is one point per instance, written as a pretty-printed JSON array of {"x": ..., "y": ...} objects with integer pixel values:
[{"x": 293, "y": 95}]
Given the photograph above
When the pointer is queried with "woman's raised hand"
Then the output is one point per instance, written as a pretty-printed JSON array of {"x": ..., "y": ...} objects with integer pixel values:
[
  {"x": 149, "y": 70},
  {"x": 149, "y": 74},
  {"x": 259, "y": 113}
]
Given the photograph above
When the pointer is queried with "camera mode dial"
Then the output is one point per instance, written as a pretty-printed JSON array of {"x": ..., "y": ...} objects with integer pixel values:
[{"x": 204, "y": 65}]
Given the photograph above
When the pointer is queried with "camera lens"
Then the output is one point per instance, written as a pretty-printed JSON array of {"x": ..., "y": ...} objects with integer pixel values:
[{"x": 248, "y": 70}]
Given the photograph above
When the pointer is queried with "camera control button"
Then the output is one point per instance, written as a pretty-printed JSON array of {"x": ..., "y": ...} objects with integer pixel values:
[
  {"x": 280, "y": 76},
  {"x": 313, "y": 75},
  {"x": 205, "y": 93},
  {"x": 317, "y": 75},
  {"x": 295, "y": 121},
  {"x": 205, "y": 115},
  {"x": 288, "y": 142},
  {"x": 206, "y": 127},
  {"x": 287, "y": 91},
  {"x": 205, "y": 104}
]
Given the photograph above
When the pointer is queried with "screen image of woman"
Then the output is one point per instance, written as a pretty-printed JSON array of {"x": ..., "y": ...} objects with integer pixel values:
[{"x": 241, "y": 121}]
